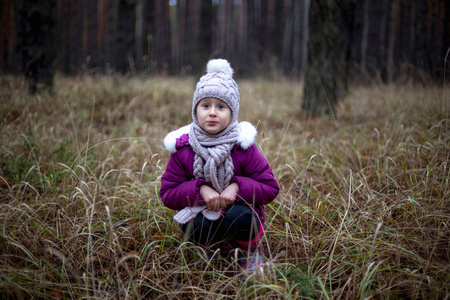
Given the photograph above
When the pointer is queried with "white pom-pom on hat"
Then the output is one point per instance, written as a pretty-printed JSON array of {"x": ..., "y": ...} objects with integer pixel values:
[{"x": 219, "y": 65}]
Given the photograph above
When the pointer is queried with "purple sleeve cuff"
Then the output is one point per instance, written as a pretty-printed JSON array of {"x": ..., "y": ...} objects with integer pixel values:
[{"x": 200, "y": 183}]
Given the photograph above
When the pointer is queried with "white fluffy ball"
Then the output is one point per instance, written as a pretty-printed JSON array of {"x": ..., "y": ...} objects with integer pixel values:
[{"x": 219, "y": 65}]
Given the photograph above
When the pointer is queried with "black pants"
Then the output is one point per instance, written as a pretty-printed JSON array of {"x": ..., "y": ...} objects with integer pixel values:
[{"x": 238, "y": 225}]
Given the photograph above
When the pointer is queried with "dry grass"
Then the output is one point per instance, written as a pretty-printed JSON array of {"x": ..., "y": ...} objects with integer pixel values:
[{"x": 364, "y": 209}]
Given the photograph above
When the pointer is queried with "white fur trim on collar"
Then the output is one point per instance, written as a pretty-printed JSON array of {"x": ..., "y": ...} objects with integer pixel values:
[
  {"x": 247, "y": 135},
  {"x": 170, "y": 140},
  {"x": 246, "y": 138}
]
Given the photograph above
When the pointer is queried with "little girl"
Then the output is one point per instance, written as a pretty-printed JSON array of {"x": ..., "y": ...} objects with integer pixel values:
[{"x": 216, "y": 177}]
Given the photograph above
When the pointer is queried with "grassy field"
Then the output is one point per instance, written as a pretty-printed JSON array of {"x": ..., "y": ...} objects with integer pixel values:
[{"x": 363, "y": 212}]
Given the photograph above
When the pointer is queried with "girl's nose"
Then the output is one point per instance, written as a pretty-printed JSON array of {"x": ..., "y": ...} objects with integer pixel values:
[{"x": 212, "y": 111}]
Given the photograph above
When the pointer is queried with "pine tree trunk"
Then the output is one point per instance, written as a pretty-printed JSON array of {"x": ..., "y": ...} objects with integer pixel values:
[
  {"x": 287, "y": 36},
  {"x": 304, "y": 40},
  {"x": 7, "y": 33},
  {"x": 365, "y": 37},
  {"x": 296, "y": 54},
  {"x": 326, "y": 71},
  {"x": 37, "y": 42},
  {"x": 243, "y": 36},
  {"x": 394, "y": 25},
  {"x": 138, "y": 29}
]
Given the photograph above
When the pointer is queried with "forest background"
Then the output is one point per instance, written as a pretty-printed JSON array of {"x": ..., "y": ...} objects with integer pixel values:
[
  {"x": 364, "y": 205},
  {"x": 386, "y": 39}
]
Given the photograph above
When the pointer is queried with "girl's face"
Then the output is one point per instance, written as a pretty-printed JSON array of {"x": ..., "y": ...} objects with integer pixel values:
[{"x": 213, "y": 115}]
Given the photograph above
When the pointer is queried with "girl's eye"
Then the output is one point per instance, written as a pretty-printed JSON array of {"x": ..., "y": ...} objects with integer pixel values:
[
  {"x": 205, "y": 105},
  {"x": 220, "y": 106}
]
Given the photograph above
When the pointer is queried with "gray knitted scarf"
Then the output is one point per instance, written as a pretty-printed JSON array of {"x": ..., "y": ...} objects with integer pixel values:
[{"x": 212, "y": 154}]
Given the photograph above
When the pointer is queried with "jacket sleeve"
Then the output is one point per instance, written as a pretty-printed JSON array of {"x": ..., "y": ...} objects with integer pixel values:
[
  {"x": 177, "y": 189},
  {"x": 257, "y": 185}
]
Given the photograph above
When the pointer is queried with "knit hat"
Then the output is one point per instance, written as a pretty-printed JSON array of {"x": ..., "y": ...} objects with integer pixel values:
[{"x": 218, "y": 83}]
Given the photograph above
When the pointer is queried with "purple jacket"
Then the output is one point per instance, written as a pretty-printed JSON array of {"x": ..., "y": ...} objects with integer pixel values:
[{"x": 252, "y": 173}]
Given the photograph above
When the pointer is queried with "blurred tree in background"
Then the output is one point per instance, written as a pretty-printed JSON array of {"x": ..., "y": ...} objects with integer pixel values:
[
  {"x": 35, "y": 41},
  {"x": 366, "y": 40},
  {"x": 328, "y": 55}
]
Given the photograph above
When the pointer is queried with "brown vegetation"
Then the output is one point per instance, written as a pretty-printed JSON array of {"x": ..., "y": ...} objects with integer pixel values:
[{"x": 363, "y": 211}]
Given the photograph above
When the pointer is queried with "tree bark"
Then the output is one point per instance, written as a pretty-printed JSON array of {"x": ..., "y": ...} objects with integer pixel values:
[
  {"x": 296, "y": 52},
  {"x": 305, "y": 36},
  {"x": 243, "y": 35},
  {"x": 395, "y": 23},
  {"x": 326, "y": 71},
  {"x": 139, "y": 38},
  {"x": 287, "y": 36},
  {"x": 7, "y": 33},
  {"x": 37, "y": 42},
  {"x": 365, "y": 37}
]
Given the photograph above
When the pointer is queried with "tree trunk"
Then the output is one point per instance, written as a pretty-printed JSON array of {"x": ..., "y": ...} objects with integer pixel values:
[
  {"x": 229, "y": 41},
  {"x": 395, "y": 23},
  {"x": 111, "y": 39},
  {"x": 102, "y": 21},
  {"x": 296, "y": 54},
  {"x": 37, "y": 43},
  {"x": 192, "y": 34},
  {"x": 304, "y": 40},
  {"x": 162, "y": 35},
  {"x": 243, "y": 36},
  {"x": 7, "y": 33},
  {"x": 139, "y": 37},
  {"x": 365, "y": 37},
  {"x": 287, "y": 37},
  {"x": 327, "y": 52}
]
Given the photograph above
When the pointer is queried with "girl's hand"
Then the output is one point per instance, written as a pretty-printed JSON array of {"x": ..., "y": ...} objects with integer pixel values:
[
  {"x": 211, "y": 197},
  {"x": 228, "y": 195}
]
